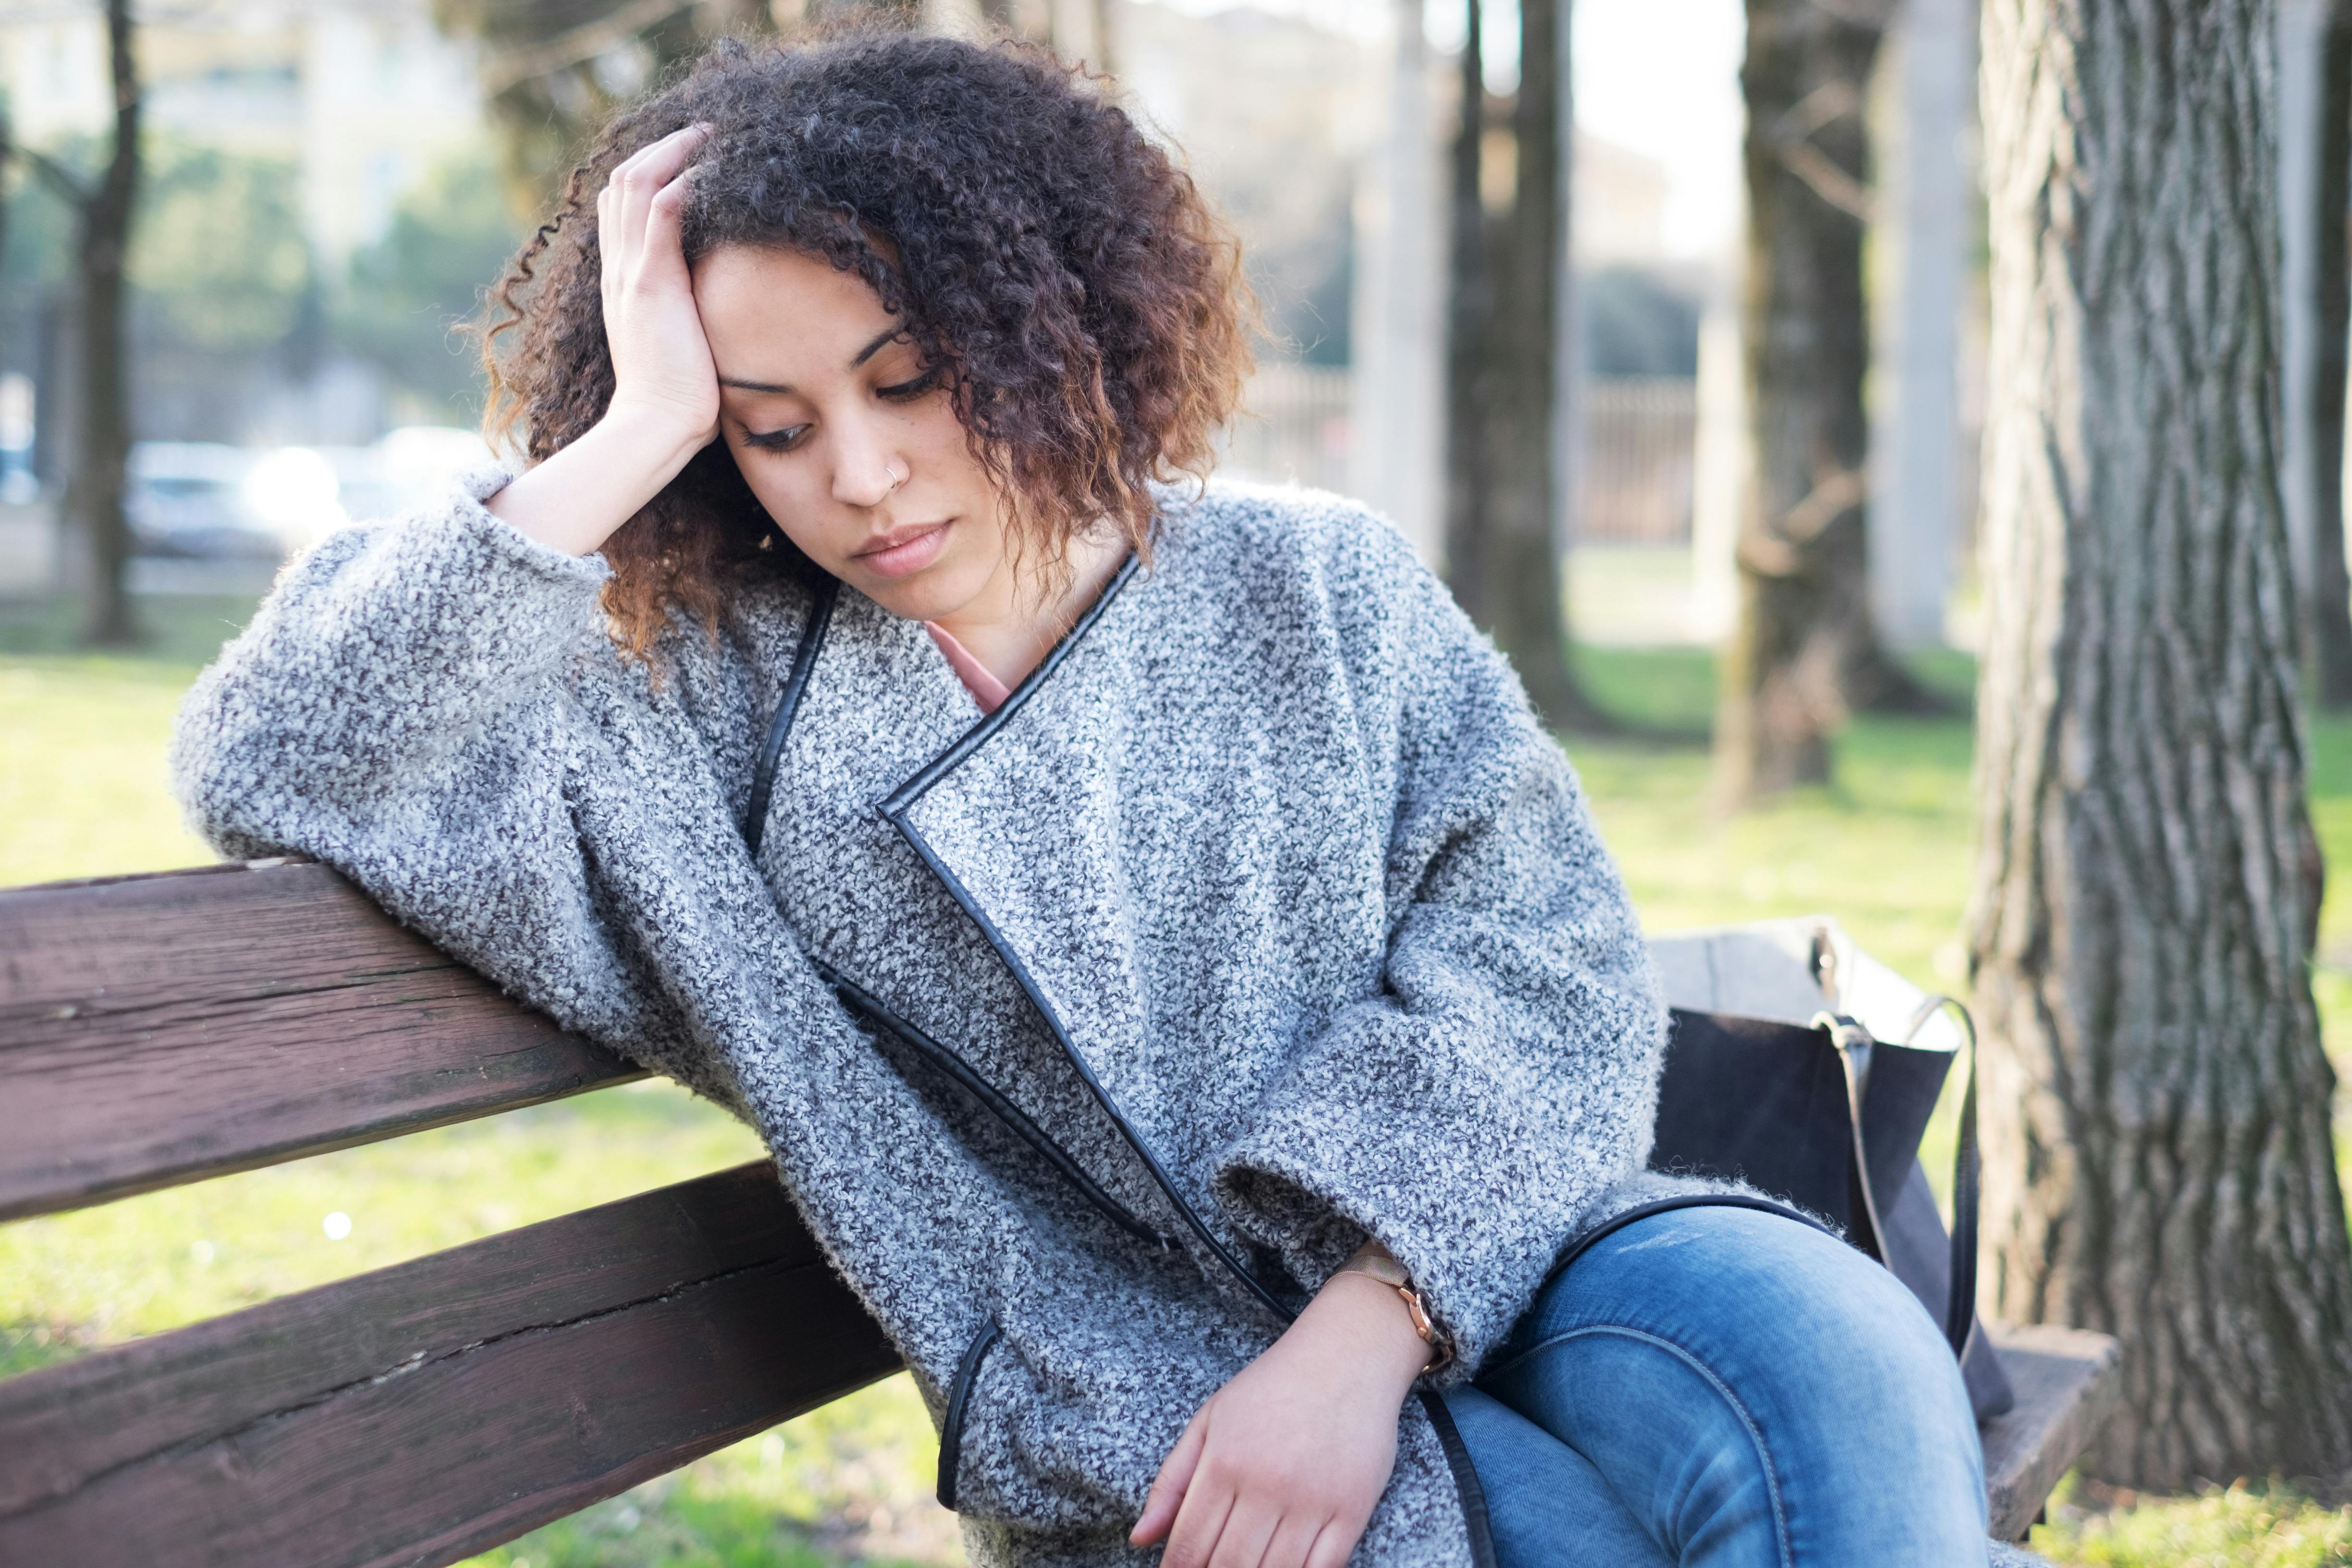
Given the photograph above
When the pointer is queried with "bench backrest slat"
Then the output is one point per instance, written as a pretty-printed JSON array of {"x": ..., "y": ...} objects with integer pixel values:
[
  {"x": 158, "y": 1030},
  {"x": 424, "y": 1412}
]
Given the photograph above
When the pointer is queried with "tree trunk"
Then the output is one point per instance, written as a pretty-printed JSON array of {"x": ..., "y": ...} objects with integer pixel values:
[
  {"x": 2331, "y": 588},
  {"x": 1470, "y": 312},
  {"x": 2158, "y": 1157},
  {"x": 101, "y": 442},
  {"x": 1803, "y": 651},
  {"x": 1503, "y": 556}
]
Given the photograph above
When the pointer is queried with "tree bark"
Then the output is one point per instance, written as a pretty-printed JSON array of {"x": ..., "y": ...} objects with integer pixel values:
[
  {"x": 2331, "y": 585},
  {"x": 101, "y": 439},
  {"x": 1802, "y": 652},
  {"x": 1503, "y": 556},
  {"x": 2157, "y": 1155}
]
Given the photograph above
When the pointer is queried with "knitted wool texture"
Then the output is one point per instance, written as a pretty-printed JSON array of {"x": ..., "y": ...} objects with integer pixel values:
[{"x": 1316, "y": 897}]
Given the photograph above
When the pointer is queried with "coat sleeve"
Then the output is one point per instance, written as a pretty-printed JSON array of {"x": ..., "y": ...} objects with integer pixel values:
[
  {"x": 1471, "y": 1112},
  {"x": 408, "y": 707}
]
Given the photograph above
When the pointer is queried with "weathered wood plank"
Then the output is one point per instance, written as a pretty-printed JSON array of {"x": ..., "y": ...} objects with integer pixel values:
[
  {"x": 2066, "y": 1385},
  {"x": 423, "y": 1413},
  {"x": 156, "y": 1030}
]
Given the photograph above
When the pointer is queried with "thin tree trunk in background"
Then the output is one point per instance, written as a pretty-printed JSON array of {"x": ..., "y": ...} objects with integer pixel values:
[
  {"x": 1503, "y": 550},
  {"x": 101, "y": 439},
  {"x": 2157, "y": 1153},
  {"x": 1522, "y": 588},
  {"x": 2331, "y": 586},
  {"x": 8, "y": 157},
  {"x": 1105, "y": 59},
  {"x": 1802, "y": 651},
  {"x": 1469, "y": 311},
  {"x": 1927, "y": 208}
]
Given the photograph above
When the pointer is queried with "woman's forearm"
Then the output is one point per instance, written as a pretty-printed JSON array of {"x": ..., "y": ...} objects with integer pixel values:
[{"x": 576, "y": 498}]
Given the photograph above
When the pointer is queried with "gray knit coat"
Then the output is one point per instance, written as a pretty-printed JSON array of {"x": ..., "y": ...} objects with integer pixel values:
[{"x": 1265, "y": 901}]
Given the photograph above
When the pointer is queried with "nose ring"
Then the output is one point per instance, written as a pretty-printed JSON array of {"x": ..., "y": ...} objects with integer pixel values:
[{"x": 895, "y": 477}]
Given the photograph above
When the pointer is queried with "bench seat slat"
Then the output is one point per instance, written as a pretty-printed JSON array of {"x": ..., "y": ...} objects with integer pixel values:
[
  {"x": 421, "y": 1412},
  {"x": 2067, "y": 1381},
  {"x": 158, "y": 1030}
]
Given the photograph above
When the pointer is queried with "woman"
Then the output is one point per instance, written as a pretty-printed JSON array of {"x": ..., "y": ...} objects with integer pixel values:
[{"x": 1178, "y": 982}]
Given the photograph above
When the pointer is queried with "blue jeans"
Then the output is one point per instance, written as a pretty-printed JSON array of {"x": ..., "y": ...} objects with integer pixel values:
[{"x": 1731, "y": 1389}]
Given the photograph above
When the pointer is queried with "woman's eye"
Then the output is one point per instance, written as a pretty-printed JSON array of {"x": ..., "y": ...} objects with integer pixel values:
[
  {"x": 910, "y": 389},
  {"x": 775, "y": 440}
]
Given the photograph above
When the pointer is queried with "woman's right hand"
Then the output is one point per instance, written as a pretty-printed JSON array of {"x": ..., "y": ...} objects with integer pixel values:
[
  {"x": 662, "y": 371},
  {"x": 665, "y": 405}
]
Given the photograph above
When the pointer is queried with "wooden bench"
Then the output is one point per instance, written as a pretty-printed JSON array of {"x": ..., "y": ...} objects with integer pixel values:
[{"x": 158, "y": 1030}]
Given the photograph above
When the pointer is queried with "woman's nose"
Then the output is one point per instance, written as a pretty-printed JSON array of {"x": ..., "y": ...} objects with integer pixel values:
[{"x": 865, "y": 468}]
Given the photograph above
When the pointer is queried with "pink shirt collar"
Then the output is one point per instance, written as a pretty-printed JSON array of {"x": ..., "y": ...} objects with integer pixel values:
[{"x": 985, "y": 688}]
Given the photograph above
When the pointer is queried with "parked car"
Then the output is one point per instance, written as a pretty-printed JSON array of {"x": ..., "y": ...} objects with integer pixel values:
[
  {"x": 404, "y": 469},
  {"x": 186, "y": 500},
  {"x": 210, "y": 501}
]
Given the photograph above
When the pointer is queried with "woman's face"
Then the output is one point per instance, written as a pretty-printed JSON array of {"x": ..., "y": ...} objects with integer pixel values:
[{"x": 847, "y": 437}]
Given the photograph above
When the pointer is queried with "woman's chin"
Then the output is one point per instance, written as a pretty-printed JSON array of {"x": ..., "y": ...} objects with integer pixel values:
[{"x": 931, "y": 595}]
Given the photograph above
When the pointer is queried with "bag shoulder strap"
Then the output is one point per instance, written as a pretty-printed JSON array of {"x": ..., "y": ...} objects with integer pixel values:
[{"x": 1960, "y": 1305}]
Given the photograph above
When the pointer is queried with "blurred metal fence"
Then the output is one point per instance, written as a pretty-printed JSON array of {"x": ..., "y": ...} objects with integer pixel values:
[
  {"x": 1294, "y": 428},
  {"x": 1635, "y": 472}
]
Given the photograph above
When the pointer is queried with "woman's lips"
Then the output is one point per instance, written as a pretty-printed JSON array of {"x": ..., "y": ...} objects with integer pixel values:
[{"x": 911, "y": 551}]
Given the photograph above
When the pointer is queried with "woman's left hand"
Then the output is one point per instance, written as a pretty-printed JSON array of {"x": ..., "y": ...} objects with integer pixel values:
[{"x": 1281, "y": 1467}]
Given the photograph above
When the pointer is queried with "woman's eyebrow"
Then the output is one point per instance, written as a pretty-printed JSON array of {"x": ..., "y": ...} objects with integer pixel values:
[
  {"x": 870, "y": 350},
  {"x": 867, "y": 352}
]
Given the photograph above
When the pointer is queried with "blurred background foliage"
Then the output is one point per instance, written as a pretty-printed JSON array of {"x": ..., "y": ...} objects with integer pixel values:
[
  {"x": 405, "y": 296},
  {"x": 221, "y": 264}
]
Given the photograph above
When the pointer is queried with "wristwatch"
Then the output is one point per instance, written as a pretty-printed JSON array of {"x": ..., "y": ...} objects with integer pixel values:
[{"x": 1376, "y": 1261}]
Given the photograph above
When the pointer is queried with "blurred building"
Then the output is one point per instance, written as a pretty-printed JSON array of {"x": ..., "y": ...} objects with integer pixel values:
[
  {"x": 1619, "y": 205},
  {"x": 322, "y": 113},
  {"x": 361, "y": 96}
]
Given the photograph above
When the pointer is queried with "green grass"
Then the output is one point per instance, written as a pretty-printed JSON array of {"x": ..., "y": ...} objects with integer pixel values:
[
  {"x": 81, "y": 771},
  {"x": 81, "y": 792},
  {"x": 2241, "y": 1526}
]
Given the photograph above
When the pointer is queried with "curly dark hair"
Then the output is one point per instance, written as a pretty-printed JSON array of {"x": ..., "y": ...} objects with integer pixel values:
[{"x": 1086, "y": 305}]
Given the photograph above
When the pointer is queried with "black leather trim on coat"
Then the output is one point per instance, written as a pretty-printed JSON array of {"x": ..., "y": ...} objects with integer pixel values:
[
  {"x": 894, "y": 809},
  {"x": 865, "y": 1002},
  {"x": 960, "y": 1406},
  {"x": 1053, "y": 1021},
  {"x": 971, "y": 739},
  {"x": 764, "y": 776},
  {"x": 1466, "y": 1480}
]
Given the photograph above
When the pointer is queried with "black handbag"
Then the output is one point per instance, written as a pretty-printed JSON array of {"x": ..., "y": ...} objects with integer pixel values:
[{"x": 1828, "y": 1118}]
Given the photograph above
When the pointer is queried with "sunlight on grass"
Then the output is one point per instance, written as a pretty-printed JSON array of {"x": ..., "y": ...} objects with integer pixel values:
[
  {"x": 88, "y": 732},
  {"x": 2270, "y": 1526},
  {"x": 82, "y": 789}
]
